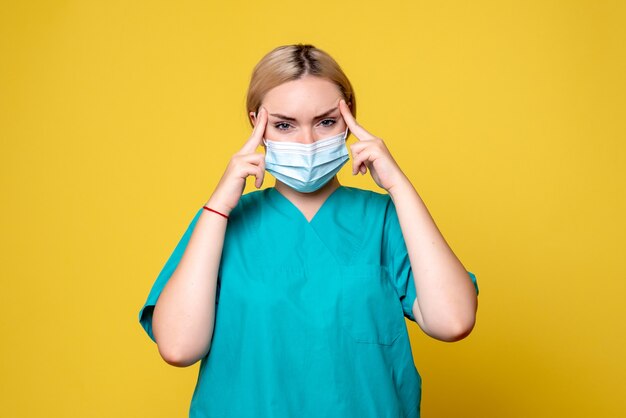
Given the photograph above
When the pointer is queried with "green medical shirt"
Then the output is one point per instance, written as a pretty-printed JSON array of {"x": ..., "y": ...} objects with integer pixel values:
[{"x": 309, "y": 318}]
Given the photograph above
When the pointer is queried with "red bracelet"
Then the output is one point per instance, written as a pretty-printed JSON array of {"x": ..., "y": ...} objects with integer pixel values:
[{"x": 213, "y": 210}]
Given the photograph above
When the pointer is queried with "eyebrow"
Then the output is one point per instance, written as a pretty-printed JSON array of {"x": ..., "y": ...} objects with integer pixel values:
[{"x": 328, "y": 112}]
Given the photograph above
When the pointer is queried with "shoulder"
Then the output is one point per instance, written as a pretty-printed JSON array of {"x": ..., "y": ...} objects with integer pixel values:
[
  {"x": 365, "y": 194},
  {"x": 365, "y": 207},
  {"x": 376, "y": 208},
  {"x": 248, "y": 202},
  {"x": 249, "y": 207},
  {"x": 368, "y": 199},
  {"x": 254, "y": 197}
]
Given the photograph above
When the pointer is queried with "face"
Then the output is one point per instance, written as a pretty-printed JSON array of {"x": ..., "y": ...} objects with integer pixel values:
[{"x": 304, "y": 110}]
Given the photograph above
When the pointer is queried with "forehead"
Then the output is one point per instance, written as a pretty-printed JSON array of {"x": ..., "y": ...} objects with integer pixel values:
[{"x": 306, "y": 96}]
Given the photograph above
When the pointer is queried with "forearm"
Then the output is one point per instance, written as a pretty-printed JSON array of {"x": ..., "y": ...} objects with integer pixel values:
[
  {"x": 184, "y": 314},
  {"x": 446, "y": 297}
]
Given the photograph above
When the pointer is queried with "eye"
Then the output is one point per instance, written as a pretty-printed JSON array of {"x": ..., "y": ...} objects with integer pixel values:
[
  {"x": 328, "y": 122},
  {"x": 282, "y": 126}
]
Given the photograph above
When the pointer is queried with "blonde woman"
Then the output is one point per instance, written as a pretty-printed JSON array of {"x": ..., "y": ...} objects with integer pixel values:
[{"x": 293, "y": 297}]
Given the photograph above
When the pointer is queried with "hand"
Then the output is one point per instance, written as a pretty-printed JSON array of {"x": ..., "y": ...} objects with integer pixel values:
[
  {"x": 371, "y": 152},
  {"x": 242, "y": 164}
]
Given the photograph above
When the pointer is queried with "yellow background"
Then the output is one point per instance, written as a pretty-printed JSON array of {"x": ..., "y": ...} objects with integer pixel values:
[{"x": 117, "y": 119}]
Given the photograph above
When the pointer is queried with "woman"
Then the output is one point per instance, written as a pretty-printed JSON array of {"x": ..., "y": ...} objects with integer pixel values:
[{"x": 293, "y": 297}]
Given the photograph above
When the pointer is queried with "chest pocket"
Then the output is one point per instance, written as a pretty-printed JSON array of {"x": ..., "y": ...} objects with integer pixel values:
[{"x": 370, "y": 310}]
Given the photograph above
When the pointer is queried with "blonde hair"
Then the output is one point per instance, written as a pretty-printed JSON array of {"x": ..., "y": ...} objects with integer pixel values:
[{"x": 291, "y": 62}]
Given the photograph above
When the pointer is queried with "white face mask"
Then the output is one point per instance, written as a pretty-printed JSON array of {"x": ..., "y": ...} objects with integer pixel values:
[{"x": 306, "y": 167}]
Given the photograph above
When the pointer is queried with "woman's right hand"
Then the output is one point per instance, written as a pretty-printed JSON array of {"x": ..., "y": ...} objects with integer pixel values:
[{"x": 242, "y": 164}]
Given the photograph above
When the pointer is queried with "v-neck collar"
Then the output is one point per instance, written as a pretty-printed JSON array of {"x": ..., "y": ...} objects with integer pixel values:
[{"x": 294, "y": 208}]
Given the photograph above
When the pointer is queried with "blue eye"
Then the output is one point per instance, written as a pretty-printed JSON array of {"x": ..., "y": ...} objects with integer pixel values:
[
  {"x": 332, "y": 122},
  {"x": 281, "y": 126}
]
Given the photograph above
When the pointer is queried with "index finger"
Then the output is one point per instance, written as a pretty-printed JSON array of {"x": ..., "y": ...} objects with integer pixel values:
[
  {"x": 355, "y": 128},
  {"x": 257, "y": 133}
]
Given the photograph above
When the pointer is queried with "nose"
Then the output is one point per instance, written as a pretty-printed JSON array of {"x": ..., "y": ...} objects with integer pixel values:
[{"x": 307, "y": 136}]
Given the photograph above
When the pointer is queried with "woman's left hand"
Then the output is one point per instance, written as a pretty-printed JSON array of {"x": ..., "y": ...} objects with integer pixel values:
[{"x": 371, "y": 152}]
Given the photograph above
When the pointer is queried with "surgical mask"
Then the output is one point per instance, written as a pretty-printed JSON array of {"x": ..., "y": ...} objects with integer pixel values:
[{"x": 306, "y": 167}]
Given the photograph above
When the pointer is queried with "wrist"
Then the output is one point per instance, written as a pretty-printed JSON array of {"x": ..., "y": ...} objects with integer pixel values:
[
  {"x": 216, "y": 205},
  {"x": 208, "y": 209},
  {"x": 401, "y": 187}
]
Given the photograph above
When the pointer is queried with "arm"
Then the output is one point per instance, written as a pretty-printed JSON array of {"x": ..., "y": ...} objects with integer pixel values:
[
  {"x": 184, "y": 315},
  {"x": 446, "y": 303}
]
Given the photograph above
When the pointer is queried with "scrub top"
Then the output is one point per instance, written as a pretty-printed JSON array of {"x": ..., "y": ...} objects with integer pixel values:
[{"x": 309, "y": 318}]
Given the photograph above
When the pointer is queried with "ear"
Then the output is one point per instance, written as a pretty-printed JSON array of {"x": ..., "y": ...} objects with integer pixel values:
[{"x": 252, "y": 116}]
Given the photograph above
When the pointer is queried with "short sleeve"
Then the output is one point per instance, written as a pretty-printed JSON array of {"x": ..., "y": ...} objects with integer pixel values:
[
  {"x": 396, "y": 258},
  {"x": 145, "y": 314}
]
